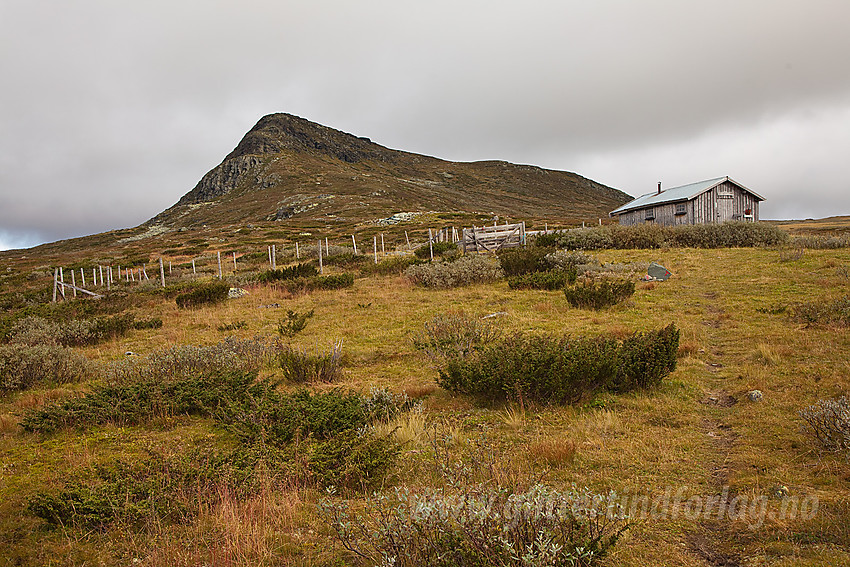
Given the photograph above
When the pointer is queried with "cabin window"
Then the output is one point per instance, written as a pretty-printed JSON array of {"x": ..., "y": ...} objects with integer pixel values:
[
  {"x": 650, "y": 214},
  {"x": 681, "y": 208}
]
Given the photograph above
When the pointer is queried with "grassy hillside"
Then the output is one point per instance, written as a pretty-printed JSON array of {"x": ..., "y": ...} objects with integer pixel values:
[{"x": 166, "y": 488}]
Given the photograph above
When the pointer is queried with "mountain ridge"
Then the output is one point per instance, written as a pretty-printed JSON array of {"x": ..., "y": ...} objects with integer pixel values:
[{"x": 286, "y": 166}]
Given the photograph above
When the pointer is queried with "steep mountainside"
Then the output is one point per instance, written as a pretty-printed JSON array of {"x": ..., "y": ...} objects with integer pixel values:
[{"x": 287, "y": 168}]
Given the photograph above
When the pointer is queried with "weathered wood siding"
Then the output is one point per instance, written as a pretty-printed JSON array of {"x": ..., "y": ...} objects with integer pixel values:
[{"x": 707, "y": 208}]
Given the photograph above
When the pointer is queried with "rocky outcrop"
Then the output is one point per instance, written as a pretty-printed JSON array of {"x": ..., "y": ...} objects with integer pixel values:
[
  {"x": 277, "y": 133},
  {"x": 222, "y": 179}
]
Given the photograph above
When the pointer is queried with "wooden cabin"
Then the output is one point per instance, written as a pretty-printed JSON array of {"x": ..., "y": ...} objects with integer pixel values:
[{"x": 705, "y": 202}]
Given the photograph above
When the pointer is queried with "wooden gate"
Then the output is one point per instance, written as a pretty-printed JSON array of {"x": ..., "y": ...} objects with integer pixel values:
[{"x": 493, "y": 238}]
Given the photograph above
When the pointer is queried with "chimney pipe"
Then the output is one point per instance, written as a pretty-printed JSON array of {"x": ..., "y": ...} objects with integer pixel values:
[{"x": 659, "y": 188}]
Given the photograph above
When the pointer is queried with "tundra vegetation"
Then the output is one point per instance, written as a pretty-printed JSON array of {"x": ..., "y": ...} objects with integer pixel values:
[{"x": 539, "y": 406}]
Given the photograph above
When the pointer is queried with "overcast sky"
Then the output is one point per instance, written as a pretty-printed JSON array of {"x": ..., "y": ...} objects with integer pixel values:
[{"x": 110, "y": 110}]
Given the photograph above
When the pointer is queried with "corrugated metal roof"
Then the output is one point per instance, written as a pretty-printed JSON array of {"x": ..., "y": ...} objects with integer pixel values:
[{"x": 681, "y": 193}]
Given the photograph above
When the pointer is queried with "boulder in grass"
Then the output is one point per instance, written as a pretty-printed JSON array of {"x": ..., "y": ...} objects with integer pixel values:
[
  {"x": 236, "y": 292},
  {"x": 657, "y": 273}
]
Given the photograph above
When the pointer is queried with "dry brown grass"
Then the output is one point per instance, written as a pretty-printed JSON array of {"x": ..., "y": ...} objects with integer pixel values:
[
  {"x": 419, "y": 391},
  {"x": 553, "y": 452},
  {"x": 8, "y": 424}
]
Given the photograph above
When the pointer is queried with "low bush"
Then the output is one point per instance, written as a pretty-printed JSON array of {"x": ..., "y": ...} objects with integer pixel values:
[
  {"x": 725, "y": 235},
  {"x": 479, "y": 525},
  {"x": 25, "y": 366},
  {"x": 34, "y": 330},
  {"x": 828, "y": 422},
  {"x": 599, "y": 294},
  {"x": 335, "y": 281},
  {"x": 152, "y": 323},
  {"x": 464, "y": 271},
  {"x": 523, "y": 260},
  {"x": 301, "y": 367},
  {"x": 455, "y": 336},
  {"x": 231, "y": 354},
  {"x": 561, "y": 370},
  {"x": 644, "y": 359},
  {"x": 294, "y": 323},
  {"x": 441, "y": 250},
  {"x": 821, "y": 242},
  {"x": 390, "y": 266},
  {"x": 548, "y": 280},
  {"x": 571, "y": 260},
  {"x": 305, "y": 270},
  {"x": 830, "y": 312},
  {"x": 205, "y": 294}
]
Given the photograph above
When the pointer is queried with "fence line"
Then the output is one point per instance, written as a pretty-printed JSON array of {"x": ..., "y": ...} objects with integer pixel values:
[{"x": 483, "y": 238}]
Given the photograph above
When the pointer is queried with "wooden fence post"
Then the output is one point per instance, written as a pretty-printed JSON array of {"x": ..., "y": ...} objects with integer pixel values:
[
  {"x": 61, "y": 281},
  {"x": 297, "y": 252},
  {"x": 431, "y": 244},
  {"x": 83, "y": 276},
  {"x": 321, "y": 268},
  {"x": 407, "y": 238},
  {"x": 55, "y": 282},
  {"x": 234, "y": 262},
  {"x": 194, "y": 272},
  {"x": 327, "y": 248},
  {"x": 383, "y": 251},
  {"x": 100, "y": 268},
  {"x": 162, "y": 271},
  {"x": 354, "y": 242},
  {"x": 375, "y": 248},
  {"x": 74, "y": 283},
  {"x": 108, "y": 278},
  {"x": 219, "y": 264},
  {"x": 271, "y": 267}
]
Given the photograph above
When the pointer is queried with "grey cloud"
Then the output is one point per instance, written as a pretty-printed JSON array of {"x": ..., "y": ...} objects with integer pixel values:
[{"x": 113, "y": 110}]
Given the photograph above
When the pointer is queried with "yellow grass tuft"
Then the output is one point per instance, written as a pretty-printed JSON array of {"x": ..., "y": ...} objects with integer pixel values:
[{"x": 554, "y": 452}]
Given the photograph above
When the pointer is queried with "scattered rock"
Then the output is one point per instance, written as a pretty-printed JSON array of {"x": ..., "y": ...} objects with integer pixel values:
[
  {"x": 236, "y": 292},
  {"x": 781, "y": 492},
  {"x": 270, "y": 306},
  {"x": 755, "y": 395}
]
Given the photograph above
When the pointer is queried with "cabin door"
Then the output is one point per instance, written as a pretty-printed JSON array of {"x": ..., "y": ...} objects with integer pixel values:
[{"x": 724, "y": 208}]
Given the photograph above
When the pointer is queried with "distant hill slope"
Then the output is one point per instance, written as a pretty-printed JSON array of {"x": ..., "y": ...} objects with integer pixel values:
[{"x": 287, "y": 167}]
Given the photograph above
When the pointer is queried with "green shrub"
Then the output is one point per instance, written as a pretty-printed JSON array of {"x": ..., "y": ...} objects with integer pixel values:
[
  {"x": 205, "y": 294},
  {"x": 464, "y": 271},
  {"x": 301, "y": 367},
  {"x": 523, "y": 260},
  {"x": 335, "y": 281},
  {"x": 539, "y": 368},
  {"x": 152, "y": 323},
  {"x": 644, "y": 359},
  {"x": 599, "y": 294},
  {"x": 478, "y": 526},
  {"x": 295, "y": 323},
  {"x": 141, "y": 402},
  {"x": 305, "y": 270},
  {"x": 25, "y": 366},
  {"x": 563, "y": 370},
  {"x": 549, "y": 280},
  {"x": 441, "y": 249}
]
